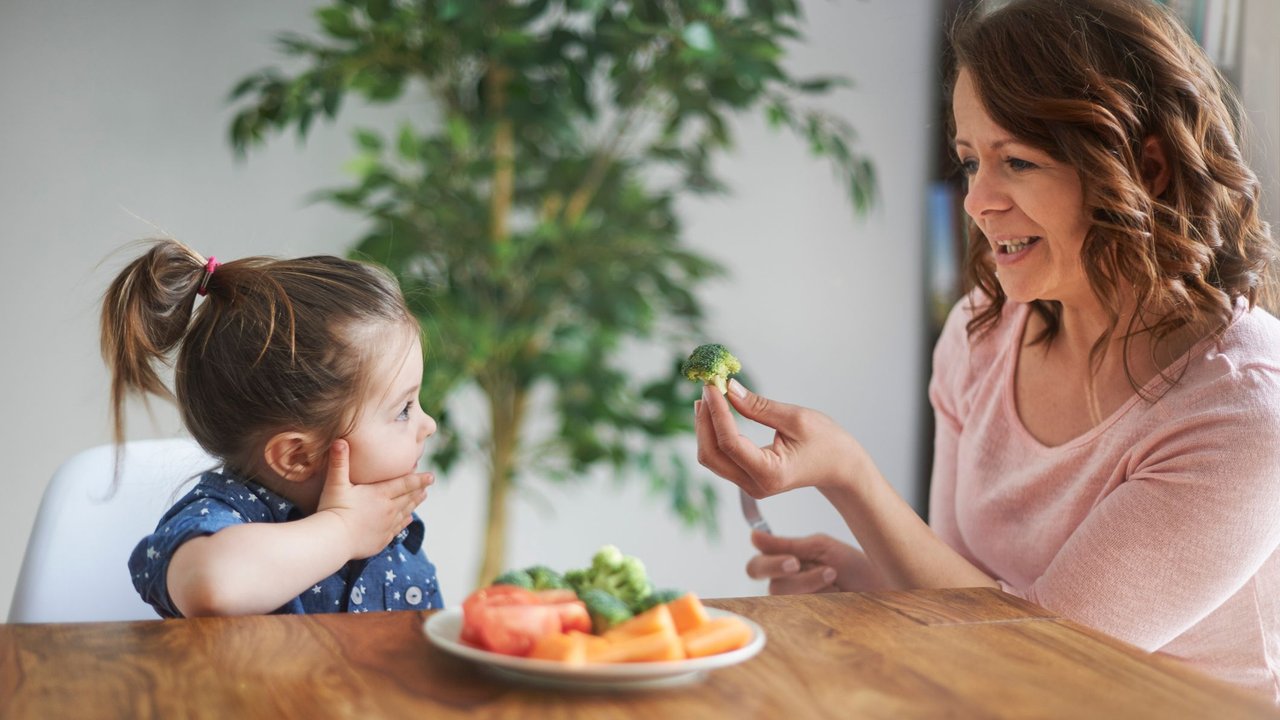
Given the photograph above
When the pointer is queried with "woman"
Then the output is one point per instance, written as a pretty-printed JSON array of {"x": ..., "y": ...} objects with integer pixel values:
[{"x": 1108, "y": 395}]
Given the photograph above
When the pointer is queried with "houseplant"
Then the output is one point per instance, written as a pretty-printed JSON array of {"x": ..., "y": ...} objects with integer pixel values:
[{"x": 528, "y": 208}]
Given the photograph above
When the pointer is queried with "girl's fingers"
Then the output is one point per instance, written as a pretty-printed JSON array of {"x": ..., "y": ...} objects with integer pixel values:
[
  {"x": 409, "y": 485},
  {"x": 339, "y": 464}
]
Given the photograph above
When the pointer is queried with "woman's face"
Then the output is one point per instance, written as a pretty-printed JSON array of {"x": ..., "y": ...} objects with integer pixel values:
[{"x": 1029, "y": 206}]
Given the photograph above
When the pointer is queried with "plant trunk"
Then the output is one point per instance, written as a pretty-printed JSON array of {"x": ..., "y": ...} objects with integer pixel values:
[
  {"x": 506, "y": 407},
  {"x": 504, "y": 154}
]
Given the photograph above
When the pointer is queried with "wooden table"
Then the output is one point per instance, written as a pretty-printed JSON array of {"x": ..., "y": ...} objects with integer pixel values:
[{"x": 927, "y": 654}]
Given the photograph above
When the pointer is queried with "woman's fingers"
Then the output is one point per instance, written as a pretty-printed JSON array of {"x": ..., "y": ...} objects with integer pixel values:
[
  {"x": 709, "y": 454},
  {"x": 792, "y": 565},
  {"x": 768, "y": 567},
  {"x": 757, "y": 463},
  {"x": 809, "y": 580}
]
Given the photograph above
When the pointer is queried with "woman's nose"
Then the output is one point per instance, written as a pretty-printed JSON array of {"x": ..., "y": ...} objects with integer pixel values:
[{"x": 986, "y": 194}]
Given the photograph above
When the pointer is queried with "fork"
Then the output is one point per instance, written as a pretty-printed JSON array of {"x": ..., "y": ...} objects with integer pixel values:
[{"x": 751, "y": 511}]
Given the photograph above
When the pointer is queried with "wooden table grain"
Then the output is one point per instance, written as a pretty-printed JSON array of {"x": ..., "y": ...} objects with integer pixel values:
[{"x": 920, "y": 654}]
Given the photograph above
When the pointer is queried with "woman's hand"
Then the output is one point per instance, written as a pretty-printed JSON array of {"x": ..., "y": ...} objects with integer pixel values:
[
  {"x": 372, "y": 514},
  {"x": 817, "y": 563},
  {"x": 808, "y": 448}
]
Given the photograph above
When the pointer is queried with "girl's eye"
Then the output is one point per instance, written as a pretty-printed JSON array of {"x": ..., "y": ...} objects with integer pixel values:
[{"x": 404, "y": 413}]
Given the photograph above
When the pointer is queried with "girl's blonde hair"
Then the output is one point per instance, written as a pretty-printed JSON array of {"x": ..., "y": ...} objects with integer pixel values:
[
  {"x": 1088, "y": 81},
  {"x": 276, "y": 345}
]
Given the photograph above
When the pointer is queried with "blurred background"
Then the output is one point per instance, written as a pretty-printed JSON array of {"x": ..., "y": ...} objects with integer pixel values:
[{"x": 115, "y": 120}]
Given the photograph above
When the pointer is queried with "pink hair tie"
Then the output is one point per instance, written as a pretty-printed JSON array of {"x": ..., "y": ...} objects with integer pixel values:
[{"x": 209, "y": 267}]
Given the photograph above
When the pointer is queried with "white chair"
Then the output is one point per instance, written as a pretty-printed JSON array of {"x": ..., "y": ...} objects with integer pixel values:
[{"x": 76, "y": 567}]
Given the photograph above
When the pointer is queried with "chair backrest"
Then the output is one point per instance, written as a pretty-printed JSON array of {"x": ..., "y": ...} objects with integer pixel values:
[{"x": 76, "y": 565}]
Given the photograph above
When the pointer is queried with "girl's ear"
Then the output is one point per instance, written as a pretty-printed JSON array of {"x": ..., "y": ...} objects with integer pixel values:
[
  {"x": 289, "y": 456},
  {"x": 1155, "y": 166}
]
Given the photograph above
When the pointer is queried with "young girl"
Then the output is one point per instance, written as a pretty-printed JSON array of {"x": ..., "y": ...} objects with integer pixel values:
[{"x": 302, "y": 378}]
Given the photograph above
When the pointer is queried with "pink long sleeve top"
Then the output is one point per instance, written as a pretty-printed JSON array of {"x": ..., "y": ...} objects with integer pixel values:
[{"x": 1160, "y": 526}]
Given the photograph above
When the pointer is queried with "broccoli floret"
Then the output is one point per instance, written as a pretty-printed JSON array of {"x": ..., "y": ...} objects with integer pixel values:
[
  {"x": 711, "y": 364},
  {"x": 544, "y": 578},
  {"x": 519, "y": 578},
  {"x": 605, "y": 609},
  {"x": 619, "y": 575},
  {"x": 577, "y": 579},
  {"x": 656, "y": 598}
]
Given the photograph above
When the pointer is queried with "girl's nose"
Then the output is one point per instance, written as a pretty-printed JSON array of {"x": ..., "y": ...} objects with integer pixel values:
[
  {"x": 986, "y": 195},
  {"x": 427, "y": 428}
]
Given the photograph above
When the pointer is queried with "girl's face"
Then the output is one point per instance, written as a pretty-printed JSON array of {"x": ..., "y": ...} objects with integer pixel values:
[
  {"x": 1029, "y": 206},
  {"x": 391, "y": 428}
]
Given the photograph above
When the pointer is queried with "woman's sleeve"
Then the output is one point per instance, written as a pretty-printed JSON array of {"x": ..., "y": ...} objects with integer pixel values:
[
  {"x": 946, "y": 388},
  {"x": 1195, "y": 519}
]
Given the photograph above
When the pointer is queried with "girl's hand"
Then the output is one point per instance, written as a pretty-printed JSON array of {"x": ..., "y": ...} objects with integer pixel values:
[
  {"x": 374, "y": 513},
  {"x": 808, "y": 448},
  {"x": 817, "y": 563}
]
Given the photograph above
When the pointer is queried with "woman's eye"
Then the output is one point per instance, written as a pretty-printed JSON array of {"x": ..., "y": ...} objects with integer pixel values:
[
  {"x": 969, "y": 167},
  {"x": 1020, "y": 164},
  {"x": 404, "y": 413}
]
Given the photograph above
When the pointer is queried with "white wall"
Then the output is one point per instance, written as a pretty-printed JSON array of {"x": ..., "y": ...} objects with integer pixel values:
[
  {"x": 114, "y": 122},
  {"x": 1259, "y": 74}
]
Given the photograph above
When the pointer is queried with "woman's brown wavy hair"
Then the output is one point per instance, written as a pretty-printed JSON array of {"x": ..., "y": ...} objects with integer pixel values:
[
  {"x": 1088, "y": 81},
  {"x": 277, "y": 344}
]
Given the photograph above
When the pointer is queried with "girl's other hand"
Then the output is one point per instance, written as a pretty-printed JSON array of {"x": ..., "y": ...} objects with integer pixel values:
[
  {"x": 372, "y": 514},
  {"x": 816, "y": 563}
]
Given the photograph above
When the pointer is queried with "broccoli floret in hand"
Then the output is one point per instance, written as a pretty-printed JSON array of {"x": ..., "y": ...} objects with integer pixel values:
[
  {"x": 605, "y": 609},
  {"x": 711, "y": 364}
]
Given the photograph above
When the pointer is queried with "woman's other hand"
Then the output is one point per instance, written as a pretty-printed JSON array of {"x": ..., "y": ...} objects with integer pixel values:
[
  {"x": 816, "y": 563},
  {"x": 808, "y": 448}
]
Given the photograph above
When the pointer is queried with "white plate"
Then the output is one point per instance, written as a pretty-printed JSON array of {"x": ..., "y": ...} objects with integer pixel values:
[{"x": 443, "y": 628}]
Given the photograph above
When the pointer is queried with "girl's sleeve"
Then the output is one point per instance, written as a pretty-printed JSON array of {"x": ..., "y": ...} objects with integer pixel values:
[
  {"x": 149, "y": 563},
  {"x": 1195, "y": 520}
]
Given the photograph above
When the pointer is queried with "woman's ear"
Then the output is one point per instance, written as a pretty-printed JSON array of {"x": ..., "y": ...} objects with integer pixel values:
[
  {"x": 289, "y": 455},
  {"x": 1155, "y": 166}
]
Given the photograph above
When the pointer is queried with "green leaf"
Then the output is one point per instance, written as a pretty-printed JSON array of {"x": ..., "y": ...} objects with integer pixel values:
[
  {"x": 407, "y": 142},
  {"x": 459, "y": 133},
  {"x": 451, "y": 9},
  {"x": 362, "y": 165},
  {"x": 369, "y": 140},
  {"x": 337, "y": 21}
]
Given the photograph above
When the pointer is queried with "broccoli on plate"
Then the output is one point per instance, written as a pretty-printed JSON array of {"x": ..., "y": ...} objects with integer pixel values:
[
  {"x": 658, "y": 597},
  {"x": 544, "y": 578},
  {"x": 605, "y": 609},
  {"x": 622, "y": 576},
  {"x": 519, "y": 578}
]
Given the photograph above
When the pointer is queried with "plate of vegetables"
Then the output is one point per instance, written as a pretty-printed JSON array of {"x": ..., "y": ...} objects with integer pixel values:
[{"x": 602, "y": 627}]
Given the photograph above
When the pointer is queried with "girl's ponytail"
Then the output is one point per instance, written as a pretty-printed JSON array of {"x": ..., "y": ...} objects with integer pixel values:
[
  {"x": 145, "y": 315},
  {"x": 279, "y": 344}
]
